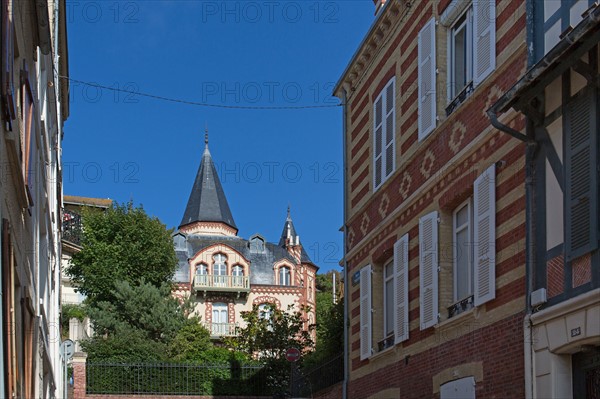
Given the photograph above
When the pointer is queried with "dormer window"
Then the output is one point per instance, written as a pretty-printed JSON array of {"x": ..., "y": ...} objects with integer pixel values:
[{"x": 257, "y": 244}]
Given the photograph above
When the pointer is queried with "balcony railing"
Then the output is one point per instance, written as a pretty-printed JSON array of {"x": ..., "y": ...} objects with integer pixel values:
[
  {"x": 210, "y": 282},
  {"x": 221, "y": 329},
  {"x": 71, "y": 227}
]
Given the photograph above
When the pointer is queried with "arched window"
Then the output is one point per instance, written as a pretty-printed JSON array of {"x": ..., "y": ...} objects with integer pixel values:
[
  {"x": 265, "y": 311},
  {"x": 202, "y": 277},
  {"x": 219, "y": 326},
  {"x": 238, "y": 276},
  {"x": 285, "y": 276},
  {"x": 201, "y": 269},
  {"x": 220, "y": 270}
]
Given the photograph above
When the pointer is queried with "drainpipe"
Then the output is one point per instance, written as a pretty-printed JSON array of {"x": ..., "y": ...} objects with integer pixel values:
[
  {"x": 530, "y": 152},
  {"x": 345, "y": 261}
]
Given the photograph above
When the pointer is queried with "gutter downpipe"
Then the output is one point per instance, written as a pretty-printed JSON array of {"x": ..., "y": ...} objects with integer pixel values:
[
  {"x": 528, "y": 351},
  {"x": 345, "y": 262},
  {"x": 529, "y": 259}
]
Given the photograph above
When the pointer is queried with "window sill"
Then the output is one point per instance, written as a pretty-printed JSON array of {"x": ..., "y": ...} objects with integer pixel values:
[
  {"x": 383, "y": 353},
  {"x": 460, "y": 98},
  {"x": 466, "y": 316}
]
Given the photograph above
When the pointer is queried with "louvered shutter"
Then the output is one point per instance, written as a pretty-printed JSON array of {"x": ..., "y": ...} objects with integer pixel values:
[
  {"x": 365, "y": 313},
  {"x": 390, "y": 122},
  {"x": 378, "y": 141},
  {"x": 484, "y": 228},
  {"x": 426, "y": 70},
  {"x": 428, "y": 269},
  {"x": 401, "y": 322},
  {"x": 581, "y": 175},
  {"x": 484, "y": 39}
]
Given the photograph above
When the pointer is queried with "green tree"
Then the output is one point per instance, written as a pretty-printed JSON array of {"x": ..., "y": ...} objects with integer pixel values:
[
  {"x": 267, "y": 338},
  {"x": 139, "y": 323},
  {"x": 330, "y": 322},
  {"x": 122, "y": 243}
]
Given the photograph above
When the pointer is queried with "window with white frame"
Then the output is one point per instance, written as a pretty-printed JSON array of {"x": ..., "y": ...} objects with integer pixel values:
[
  {"x": 265, "y": 311},
  {"x": 220, "y": 270},
  {"x": 284, "y": 276},
  {"x": 471, "y": 47},
  {"x": 238, "y": 276},
  {"x": 460, "y": 54},
  {"x": 462, "y": 239},
  {"x": 220, "y": 267},
  {"x": 384, "y": 127},
  {"x": 388, "y": 299},
  {"x": 201, "y": 269},
  {"x": 219, "y": 319}
]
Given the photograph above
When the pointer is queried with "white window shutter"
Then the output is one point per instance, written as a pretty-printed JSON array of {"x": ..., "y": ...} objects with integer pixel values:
[
  {"x": 378, "y": 141},
  {"x": 427, "y": 79},
  {"x": 484, "y": 228},
  {"x": 484, "y": 39},
  {"x": 365, "y": 313},
  {"x": 401, "y": 322},
  {"x": 428, "y": 269}
]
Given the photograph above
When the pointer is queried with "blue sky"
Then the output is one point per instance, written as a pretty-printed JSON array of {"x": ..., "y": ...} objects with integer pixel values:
[{"x": 265, "y": 53}]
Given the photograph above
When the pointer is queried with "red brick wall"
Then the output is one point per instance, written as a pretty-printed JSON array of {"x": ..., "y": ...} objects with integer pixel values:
[
  {"x": 332, "y": 392},
  {"x": 499, "y": 346}
]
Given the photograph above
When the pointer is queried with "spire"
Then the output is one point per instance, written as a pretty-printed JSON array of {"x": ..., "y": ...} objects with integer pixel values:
[
  {"x": 288, "y": 235},
  {"x": 207, "y": 201},
  {"x": 290, "y": 240}
]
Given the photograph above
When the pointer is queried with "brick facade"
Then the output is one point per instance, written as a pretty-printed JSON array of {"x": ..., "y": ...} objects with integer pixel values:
[{"x": 436, "y": 173}]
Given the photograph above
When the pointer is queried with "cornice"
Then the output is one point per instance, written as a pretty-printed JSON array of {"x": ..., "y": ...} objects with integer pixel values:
[{"x": 372, "y": 44}]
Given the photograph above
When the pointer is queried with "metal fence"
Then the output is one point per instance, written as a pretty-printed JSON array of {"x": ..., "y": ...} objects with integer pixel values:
[
  {"x": 177, "y": 379},
  {"x": 326, "y": 374}
]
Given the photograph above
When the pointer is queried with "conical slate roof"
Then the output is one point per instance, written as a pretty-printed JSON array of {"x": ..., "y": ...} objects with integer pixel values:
[
  {"x": 207, "y": 202},
  {"x": 288, "y": 226}
]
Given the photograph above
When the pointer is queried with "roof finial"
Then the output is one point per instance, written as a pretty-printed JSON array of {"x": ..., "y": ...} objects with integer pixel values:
[
  {"x": 206, "y": 135},
  {"x": 289, "y": 217}
]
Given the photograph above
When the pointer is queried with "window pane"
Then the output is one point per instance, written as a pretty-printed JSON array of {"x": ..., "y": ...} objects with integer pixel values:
[
  {"x": 463, "y": 284},
  {"x": 462, "y": 216},
  {"x": 389, "y": 98},
  {"x": 389, "y": 270},
  {"x": 389, "y": 306},
  {"x": 459, "y": 61}
]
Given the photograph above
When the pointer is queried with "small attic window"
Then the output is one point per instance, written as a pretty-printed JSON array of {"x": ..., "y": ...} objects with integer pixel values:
[
  {"x": 257, "y": 244},
  {"x": 179, "y": 241}
]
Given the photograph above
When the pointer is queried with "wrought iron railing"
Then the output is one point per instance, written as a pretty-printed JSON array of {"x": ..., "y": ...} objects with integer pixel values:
[
  {"x": 326, "y": 374},
  {"x": 211, "y": 282},
  {"x": 234, "y": 379},
  {"x": 221, "y": 329},
  {"x": 71, "y": 227},
  {"x": 460, "y": 306}
]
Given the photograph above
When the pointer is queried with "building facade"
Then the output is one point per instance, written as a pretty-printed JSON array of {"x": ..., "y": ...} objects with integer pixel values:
[
  {"x": 35, "y": 105},
  {"x": 227, "y": 274},
  {"x": 435, "y": 204},
  {"x": 559, "y": 97}
]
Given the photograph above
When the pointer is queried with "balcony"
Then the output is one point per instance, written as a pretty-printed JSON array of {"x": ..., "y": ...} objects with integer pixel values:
[
  {"x": 221, "y": 283},
  {"x": 71, "y": 227},
  {"x": 218, "y": 330}
]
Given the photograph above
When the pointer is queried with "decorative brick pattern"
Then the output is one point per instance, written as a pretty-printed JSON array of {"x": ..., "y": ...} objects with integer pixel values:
[
  {"x": 582, "y": 270},
  {"x": 555, "y": 276}
]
